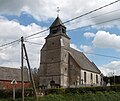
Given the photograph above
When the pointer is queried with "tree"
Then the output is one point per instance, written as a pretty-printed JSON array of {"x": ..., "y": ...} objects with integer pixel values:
[{"x": 36, "y": 77}]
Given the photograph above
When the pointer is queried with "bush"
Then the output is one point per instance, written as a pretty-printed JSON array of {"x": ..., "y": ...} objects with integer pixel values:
[
  {"x": 83, "y": 90},
  {"x": 4, "y": 93},
  {"x": 55, "y": 91}
]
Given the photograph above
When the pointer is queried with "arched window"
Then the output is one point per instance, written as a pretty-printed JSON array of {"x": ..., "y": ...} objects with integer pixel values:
[
  {"x": 84, "y": 76},
  {"x": 91, "y": 76},
  {"x": 96, "y": 78}
]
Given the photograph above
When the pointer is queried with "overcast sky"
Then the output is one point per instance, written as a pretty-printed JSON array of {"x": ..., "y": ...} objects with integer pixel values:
[{"x": 22, "y": 18}]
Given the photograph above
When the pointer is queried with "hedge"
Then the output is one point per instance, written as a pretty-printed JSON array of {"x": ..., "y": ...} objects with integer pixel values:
[
  {"x": 83, "y": 90},
  {"x": 4, "y": 93}
]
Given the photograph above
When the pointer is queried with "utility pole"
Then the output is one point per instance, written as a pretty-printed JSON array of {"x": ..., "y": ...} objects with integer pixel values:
[
  {"x": 114, "y": 77},
  {"x": 22, "y": 69},
  {"x": 31, "y": 77}
]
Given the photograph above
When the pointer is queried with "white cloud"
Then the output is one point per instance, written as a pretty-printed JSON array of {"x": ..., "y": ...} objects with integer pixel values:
[
  {"x": 104, "y": 39},
  {"x": 110, "y": 68},
  {"x": 74, "y": 46},
  {"x": 45, "y": 9},
  {"x": 10, "y": 31},
  {"x": 89, "y": 34},
  {"x": 86, "y": 48}
]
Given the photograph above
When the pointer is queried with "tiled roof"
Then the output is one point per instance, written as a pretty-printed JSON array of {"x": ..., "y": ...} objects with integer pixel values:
[
  {"x": 83, "y": 61},
  {"x": 7, "y": 73}
]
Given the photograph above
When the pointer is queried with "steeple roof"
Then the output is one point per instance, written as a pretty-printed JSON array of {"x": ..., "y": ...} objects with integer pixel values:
[
  {"x": 57, "y": 22},
  {"x": 57, "y": 28}
]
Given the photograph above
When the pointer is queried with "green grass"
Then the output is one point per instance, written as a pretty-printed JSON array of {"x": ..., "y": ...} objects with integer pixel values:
[{"x": 98, "y": 96}]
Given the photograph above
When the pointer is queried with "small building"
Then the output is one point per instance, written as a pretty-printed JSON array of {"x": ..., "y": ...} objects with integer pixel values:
[
  {"x": 7, "y": 74},
  {"x": 63, "y": 66}
]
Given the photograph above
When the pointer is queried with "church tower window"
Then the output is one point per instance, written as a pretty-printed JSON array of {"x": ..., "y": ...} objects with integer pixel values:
[
  {"x": 63, "y": 30},
  {"x": 54, "y": 31}
]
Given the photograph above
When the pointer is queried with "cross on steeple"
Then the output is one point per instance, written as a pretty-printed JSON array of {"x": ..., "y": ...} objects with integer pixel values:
[{"x": 58, "y": 10}]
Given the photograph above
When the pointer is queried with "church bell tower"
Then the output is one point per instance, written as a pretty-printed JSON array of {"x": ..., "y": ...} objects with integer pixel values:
[{"x": 54, "y": 57}]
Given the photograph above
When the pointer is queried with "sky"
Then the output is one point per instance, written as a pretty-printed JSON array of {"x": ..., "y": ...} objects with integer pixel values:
[{"x": 23, "y": 18}]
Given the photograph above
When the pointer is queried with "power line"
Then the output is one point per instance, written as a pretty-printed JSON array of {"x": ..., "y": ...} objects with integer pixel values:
[
  {"x": 94, "y": 24},
  {"x": 92, "y": 11},
  {"x": 7, "y": 46},
  {"x": 37, "y": 33},
  {"x": 98, "y": 15},
  {"x": 84, "y": 19},
  {"x": 33, "y": 43},
  {"x": 18, "y": 40},
  {"x": 77, "y": 17},
  {"x": 108, "y": 56},
  {"x": 35, "y": 37},
  {"x": 65, "y": 21},
  {"x": 10, "y": 43}
]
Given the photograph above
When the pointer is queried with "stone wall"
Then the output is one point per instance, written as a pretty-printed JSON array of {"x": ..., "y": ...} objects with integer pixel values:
[{"x": 90, "y": 81}]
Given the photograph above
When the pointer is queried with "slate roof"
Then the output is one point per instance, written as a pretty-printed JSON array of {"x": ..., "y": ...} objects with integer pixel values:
[
  {"x": 8, "y": 74},
  {"x": 83, "y": 61},
  {"x": 57, "y": 22}
]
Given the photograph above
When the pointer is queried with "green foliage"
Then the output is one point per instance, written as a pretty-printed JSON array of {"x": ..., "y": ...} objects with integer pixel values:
[
  {"x": 111, "y": 93},
  {"x": 83, "y": 90},
  {"x": 18, "y": 93},
  {"x": 98, "y": 96},
  {"x": 55, "y": 91}
]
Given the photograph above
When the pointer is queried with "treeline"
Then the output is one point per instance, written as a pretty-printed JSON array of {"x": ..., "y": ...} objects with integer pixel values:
[{"x": 112, "y": 80}]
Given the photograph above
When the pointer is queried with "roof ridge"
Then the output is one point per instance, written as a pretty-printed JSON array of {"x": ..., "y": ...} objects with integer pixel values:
[{"x": 57, "y": 22}]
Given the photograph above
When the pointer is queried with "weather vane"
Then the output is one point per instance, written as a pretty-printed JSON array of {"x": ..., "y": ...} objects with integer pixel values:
[{"x": 58, "y": 10}]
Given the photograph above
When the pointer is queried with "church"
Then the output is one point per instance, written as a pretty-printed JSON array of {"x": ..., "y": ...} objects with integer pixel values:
[{"x": 63, "y": 66}]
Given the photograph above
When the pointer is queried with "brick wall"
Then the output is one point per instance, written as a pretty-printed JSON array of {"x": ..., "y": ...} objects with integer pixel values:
[{"x": 8, "y": 85}]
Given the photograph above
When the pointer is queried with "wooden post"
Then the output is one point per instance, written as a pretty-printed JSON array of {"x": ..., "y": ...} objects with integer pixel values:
[
  {"x": 68, "y": 70},
  {"x": 13, "y": 91},
  {"x": 31, "y": 77},
  {"x": 22, "y": 69}
]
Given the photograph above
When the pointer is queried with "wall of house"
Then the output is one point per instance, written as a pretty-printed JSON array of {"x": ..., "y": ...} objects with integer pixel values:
[
  {"x": 8, "y": 85},
  {"x": 74, "y": 73},
  {"x": 90, "y": 81}
]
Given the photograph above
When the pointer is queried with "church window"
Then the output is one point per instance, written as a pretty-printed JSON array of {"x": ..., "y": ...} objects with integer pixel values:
[
  {"x": 52, "y": 59},
  {"x": 63, "y": 30},
  {"x": 65, "y": 55},
  {"x": 91, "y": 76},
  {"x": 84, "y": 76},
  {"x": 74, "y": 83},
  {"x": 54, "y": 31},
  {"x": 65, "y": 69},
  {"x": 96, "y": 78},
  {"x": 52, "y": 43}
]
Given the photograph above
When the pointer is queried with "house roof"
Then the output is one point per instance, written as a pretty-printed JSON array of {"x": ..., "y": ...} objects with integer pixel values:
[
  {"x": 83, "y": 61},
  {"x": 8, "y": 74}
]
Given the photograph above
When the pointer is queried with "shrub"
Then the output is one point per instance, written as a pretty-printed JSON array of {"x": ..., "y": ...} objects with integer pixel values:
[
  {"x": 4, "y": 93},
  {"x": 83, "y": 90},
  {"x": 55, "y": 91}
]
